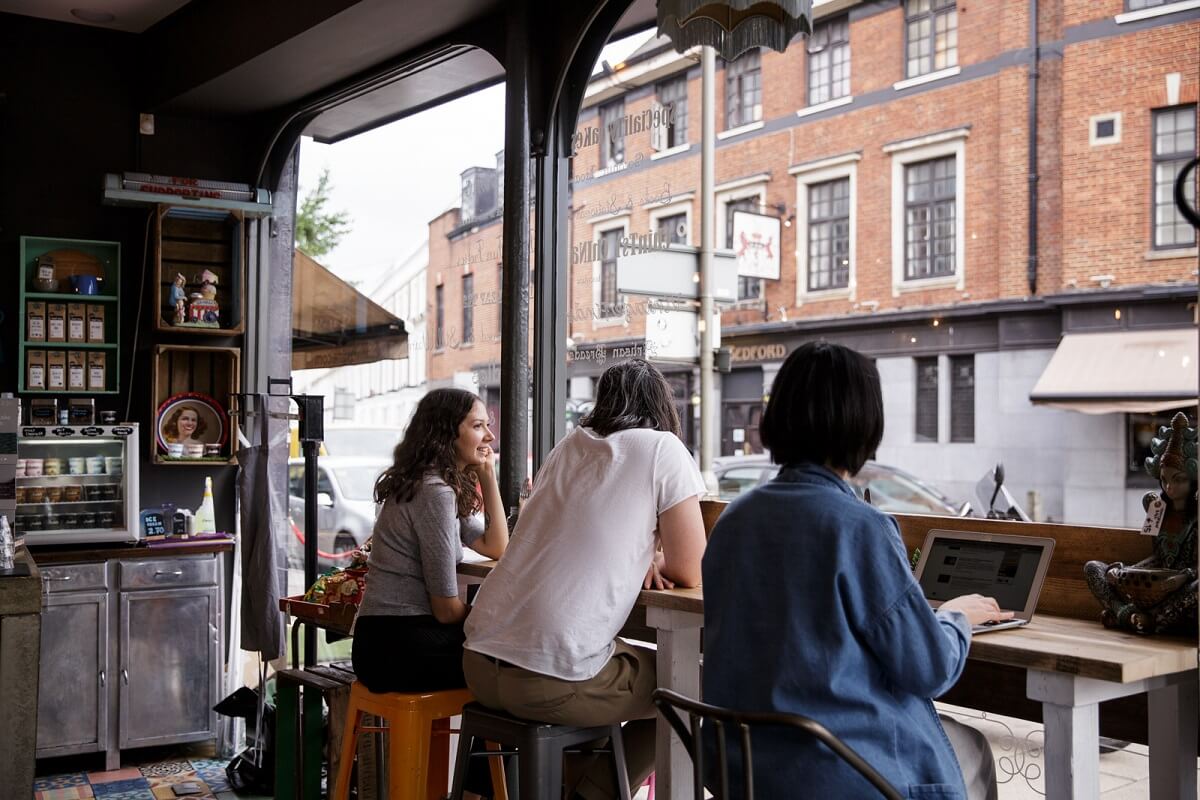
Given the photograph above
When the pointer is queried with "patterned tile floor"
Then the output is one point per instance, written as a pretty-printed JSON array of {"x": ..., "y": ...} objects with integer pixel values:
[{"x": 156, "y": 779}]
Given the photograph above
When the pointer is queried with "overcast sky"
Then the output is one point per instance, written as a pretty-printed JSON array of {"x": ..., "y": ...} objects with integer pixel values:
[{"x": 394, "y": 179}]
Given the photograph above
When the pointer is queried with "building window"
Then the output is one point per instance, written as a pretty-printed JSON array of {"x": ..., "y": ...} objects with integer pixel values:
[
  {"x": 612, "y": 134},
  {"x": 1174, "y": 146},
  {"x": 673, "y": 229},
  {"x": 932, "y": 42},
  {"x": 440, "y": 317},
  {"x": 468, "y": 317},
  {"x": 672, "y": 95},
  {"x": 829, "y": 235},
  {"x": 1141, "y": 430},
  {"x": 1138, "y": 5},
  {"x": 829, "y": 62},
  {"x": 743, "y": 90},
  {"x": 610, "y": 244},
  {"x": 748, "y": 288},
  {"x": 962, "y": 398},
  {"x": 929, "y": 218},
  {"x": 927, "y": 399}
]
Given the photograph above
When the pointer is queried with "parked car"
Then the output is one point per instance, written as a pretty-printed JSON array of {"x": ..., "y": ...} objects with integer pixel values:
[
  {"x": 892, "y": 490},
  {"x": 346, "y": 507}
]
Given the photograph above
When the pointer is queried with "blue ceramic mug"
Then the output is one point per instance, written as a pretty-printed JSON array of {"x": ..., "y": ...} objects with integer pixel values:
[{"x": 85, "y": 284}]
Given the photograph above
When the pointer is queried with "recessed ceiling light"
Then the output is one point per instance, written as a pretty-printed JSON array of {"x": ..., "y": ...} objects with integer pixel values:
[{"x": 93, "y": 15}]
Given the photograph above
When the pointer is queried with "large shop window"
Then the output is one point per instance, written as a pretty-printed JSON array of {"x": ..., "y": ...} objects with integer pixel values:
[
  {"x": 743, "y": 90},
  {"x": 927, "y": 399},
  {"x": 962, "y": 398},
  {"x": 1174, "y": 146},
  {"x": 741, "y": 412},
  {"x": 468, "y": 309},
  {"x": 932, "y": 36},
  {"x": 672, "y": 94},
  {"x": 612, "y": 134},
  {"x": 929, "y": 219},
  {"x": 829, "y": 61},
  {"x": 748, "y": 288},
  {"x": 829, "y": 235}
]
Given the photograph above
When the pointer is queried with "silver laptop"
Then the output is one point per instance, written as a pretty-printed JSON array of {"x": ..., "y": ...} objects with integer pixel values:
[{"x": 1008, "y": 568}]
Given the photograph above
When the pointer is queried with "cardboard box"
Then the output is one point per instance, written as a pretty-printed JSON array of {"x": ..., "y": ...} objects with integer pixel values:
[
  {"x": 56, "y": 370},
  {"x": 56, "y": 322},
  {"x": 76, "y": 322},
  {"x": 35, "y": 321},
  {"x": 95, "y": 324},
  {"x": 76, "y": 371},
  {"x": 35, "y": 369},
  {"x": 97, "y": 371}
]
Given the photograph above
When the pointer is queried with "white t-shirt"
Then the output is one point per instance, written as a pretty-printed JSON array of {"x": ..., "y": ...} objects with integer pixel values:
[{"x": 581, "y": 549}]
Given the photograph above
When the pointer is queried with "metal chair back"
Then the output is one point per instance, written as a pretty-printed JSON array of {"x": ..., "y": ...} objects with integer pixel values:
[{"x": 668, "y": 701}]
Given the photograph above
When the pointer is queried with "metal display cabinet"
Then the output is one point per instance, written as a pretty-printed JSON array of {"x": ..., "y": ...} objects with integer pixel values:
[{"x": 153, "y": 684}]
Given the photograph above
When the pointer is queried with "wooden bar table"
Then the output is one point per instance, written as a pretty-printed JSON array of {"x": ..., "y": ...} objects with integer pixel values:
[{"x": 1070, "y": 667}]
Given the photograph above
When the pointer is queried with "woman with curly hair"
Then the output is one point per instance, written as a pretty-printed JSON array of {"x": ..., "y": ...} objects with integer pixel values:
[{"x": 409, "y": 633}]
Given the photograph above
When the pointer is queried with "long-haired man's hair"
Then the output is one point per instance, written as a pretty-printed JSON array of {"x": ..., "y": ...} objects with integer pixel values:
[
  {"x": 428, "y": 447},
  {"x": 633, "y": 394}
]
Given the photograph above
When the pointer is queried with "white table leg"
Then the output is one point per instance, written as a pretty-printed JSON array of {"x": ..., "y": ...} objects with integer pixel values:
[
  {"x": 678, "y": 670},
  {"x": 1072, "y": 731},
  {"x": 1173, "y": 740}
]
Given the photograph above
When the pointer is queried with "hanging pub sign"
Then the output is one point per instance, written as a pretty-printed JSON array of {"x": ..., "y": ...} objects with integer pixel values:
[{"x": 756, "y": 245}]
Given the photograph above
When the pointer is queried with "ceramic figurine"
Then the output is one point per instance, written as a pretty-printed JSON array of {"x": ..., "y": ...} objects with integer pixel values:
[
  {"x": 1158, "y": 593},
  {"x": 178, "y": 299},
  {"x": 204, "y": 309}
]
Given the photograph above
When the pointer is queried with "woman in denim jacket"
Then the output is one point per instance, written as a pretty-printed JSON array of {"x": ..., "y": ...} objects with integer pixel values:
[{"x": 811, "y": 607}]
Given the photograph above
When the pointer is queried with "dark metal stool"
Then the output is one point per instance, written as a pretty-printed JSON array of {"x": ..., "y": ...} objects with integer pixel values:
[{"x": 539, "y": 748}]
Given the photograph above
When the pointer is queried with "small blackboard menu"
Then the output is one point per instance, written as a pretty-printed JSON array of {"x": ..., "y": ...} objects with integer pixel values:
[{"x": 153, "y": 524}]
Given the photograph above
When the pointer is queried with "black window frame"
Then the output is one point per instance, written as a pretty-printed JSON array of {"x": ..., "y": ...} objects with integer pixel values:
[
  {"x": 670, "y": 236},
  {"x": 745, "y": 69},
  {"x": 610, "y": 247},
  {"x": 829, "y": 40},
  {"x": 931, "y": 205},
  {"x": 468, "y": 310},
  {"x": 439, "y": 294},
  {"x": 674, "y": 91},
  {"x": 839, "y": 278},
  {"x": 926, "y": 386},
  {"x": 1179, "y": 158},
  {"x": 962, "y": 398},
  {"x": 936, "y": 9},
  {"x": 749, "y": 289},
  {"x": 612, "y": 137}
]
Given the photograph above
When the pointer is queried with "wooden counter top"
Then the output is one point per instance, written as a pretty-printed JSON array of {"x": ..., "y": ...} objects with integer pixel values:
[{"x": 66, "y": 554}]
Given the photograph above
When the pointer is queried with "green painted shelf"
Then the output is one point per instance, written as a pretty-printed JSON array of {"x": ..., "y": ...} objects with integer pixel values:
[
  {"x": 70, "y": 345},
  {"x": 67, "y": 297}
]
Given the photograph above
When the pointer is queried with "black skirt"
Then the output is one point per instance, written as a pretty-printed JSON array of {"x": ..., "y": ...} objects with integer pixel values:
[{"x": 408, "y": 654}]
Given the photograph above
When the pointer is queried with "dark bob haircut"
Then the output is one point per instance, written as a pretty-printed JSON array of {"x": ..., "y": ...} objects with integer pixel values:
[
  {"x": 633, "y": 394},
  {"x": 826, "y": 407}
]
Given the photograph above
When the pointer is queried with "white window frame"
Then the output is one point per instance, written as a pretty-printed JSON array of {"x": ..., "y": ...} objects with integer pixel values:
[
  {"x": 910, "y": 151},
  {"x": 681, "y": 207},
  {"x": 828, "y": 169},
  {"x": 740, "y": 190},
  {"x": 1100, "y": 141},
  {"x": 1156, "y": 11},
  {"x": 621, "y": 223}
]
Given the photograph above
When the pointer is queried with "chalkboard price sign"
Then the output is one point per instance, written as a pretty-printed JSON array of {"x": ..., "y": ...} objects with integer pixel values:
[{"x": 153, "y": 524}]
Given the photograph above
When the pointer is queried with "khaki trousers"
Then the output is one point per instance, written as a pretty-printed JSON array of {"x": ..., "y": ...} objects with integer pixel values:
[{"x": 620, "y": 692}]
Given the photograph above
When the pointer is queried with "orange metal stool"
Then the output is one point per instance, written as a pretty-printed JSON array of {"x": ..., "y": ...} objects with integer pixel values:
[{"x": 418, "y": 746}]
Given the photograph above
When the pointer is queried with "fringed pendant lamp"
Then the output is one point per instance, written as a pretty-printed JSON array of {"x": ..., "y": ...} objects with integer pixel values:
[{"x": 733, "y": 26}]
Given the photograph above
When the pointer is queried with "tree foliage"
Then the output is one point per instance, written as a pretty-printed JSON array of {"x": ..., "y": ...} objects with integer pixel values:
[{"x": 318, "y": 231}]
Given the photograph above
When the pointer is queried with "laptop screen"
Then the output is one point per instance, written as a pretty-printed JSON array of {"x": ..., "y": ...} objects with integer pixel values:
[{"x": 1003, "y": 570}]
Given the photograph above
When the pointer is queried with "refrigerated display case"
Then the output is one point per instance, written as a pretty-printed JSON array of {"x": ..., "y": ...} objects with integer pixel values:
[{"x": 77, "y": 485}]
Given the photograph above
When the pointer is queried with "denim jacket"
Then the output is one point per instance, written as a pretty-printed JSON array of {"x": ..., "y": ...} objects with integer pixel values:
[{"x": 810, "y": 607}]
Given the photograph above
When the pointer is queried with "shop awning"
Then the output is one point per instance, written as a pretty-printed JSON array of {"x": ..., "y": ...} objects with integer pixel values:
[
  {"x": 1122, "y": 372},
  {"x": 335, "y": 325}
]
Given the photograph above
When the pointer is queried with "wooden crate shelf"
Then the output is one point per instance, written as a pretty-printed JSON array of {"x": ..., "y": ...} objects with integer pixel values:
[
  {"x": 188, "y": 241},
  {"x": 210, "y": 371}
]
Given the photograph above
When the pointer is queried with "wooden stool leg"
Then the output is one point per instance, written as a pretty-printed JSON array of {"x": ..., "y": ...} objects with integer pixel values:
[
  {"x": 408, "y": 756},
  {"x": 499, "y": 780},
  {"x": 438, "y": 774},
  {"x": 341, "y": 788}
]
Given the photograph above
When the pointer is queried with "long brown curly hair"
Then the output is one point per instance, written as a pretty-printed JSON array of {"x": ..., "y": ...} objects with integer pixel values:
[{"x": 428, "y": 447}]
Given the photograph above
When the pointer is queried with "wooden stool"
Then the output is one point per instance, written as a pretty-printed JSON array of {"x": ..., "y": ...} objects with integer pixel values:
[{"x": 418, "y": 747}]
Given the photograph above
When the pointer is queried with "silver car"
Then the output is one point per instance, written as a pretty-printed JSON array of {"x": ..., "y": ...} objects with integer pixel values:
[
  {"x": 346, "y": 505},
  {"x": 892, "y": 490}
]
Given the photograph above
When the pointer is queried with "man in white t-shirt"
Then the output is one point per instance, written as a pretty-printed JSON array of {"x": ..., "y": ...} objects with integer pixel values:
[{"x": 615, "y": 508}]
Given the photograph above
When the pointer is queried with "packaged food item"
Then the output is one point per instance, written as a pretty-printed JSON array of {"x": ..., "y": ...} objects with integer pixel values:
[
  {"x": 97, "y": 371},
  {"x": 82, "y": 411},
  {"x": 35, "y": 370},
  {"x": 56, "y": 370},
  {"x": 95, "y": 324},
  {"x": 43, "y": 410},
  {"x": 76, "y": 371},
  {"x": 56, "y": 322},
  {"x": 76, "y": 322},
  {"x": 35, "y": 321}
]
